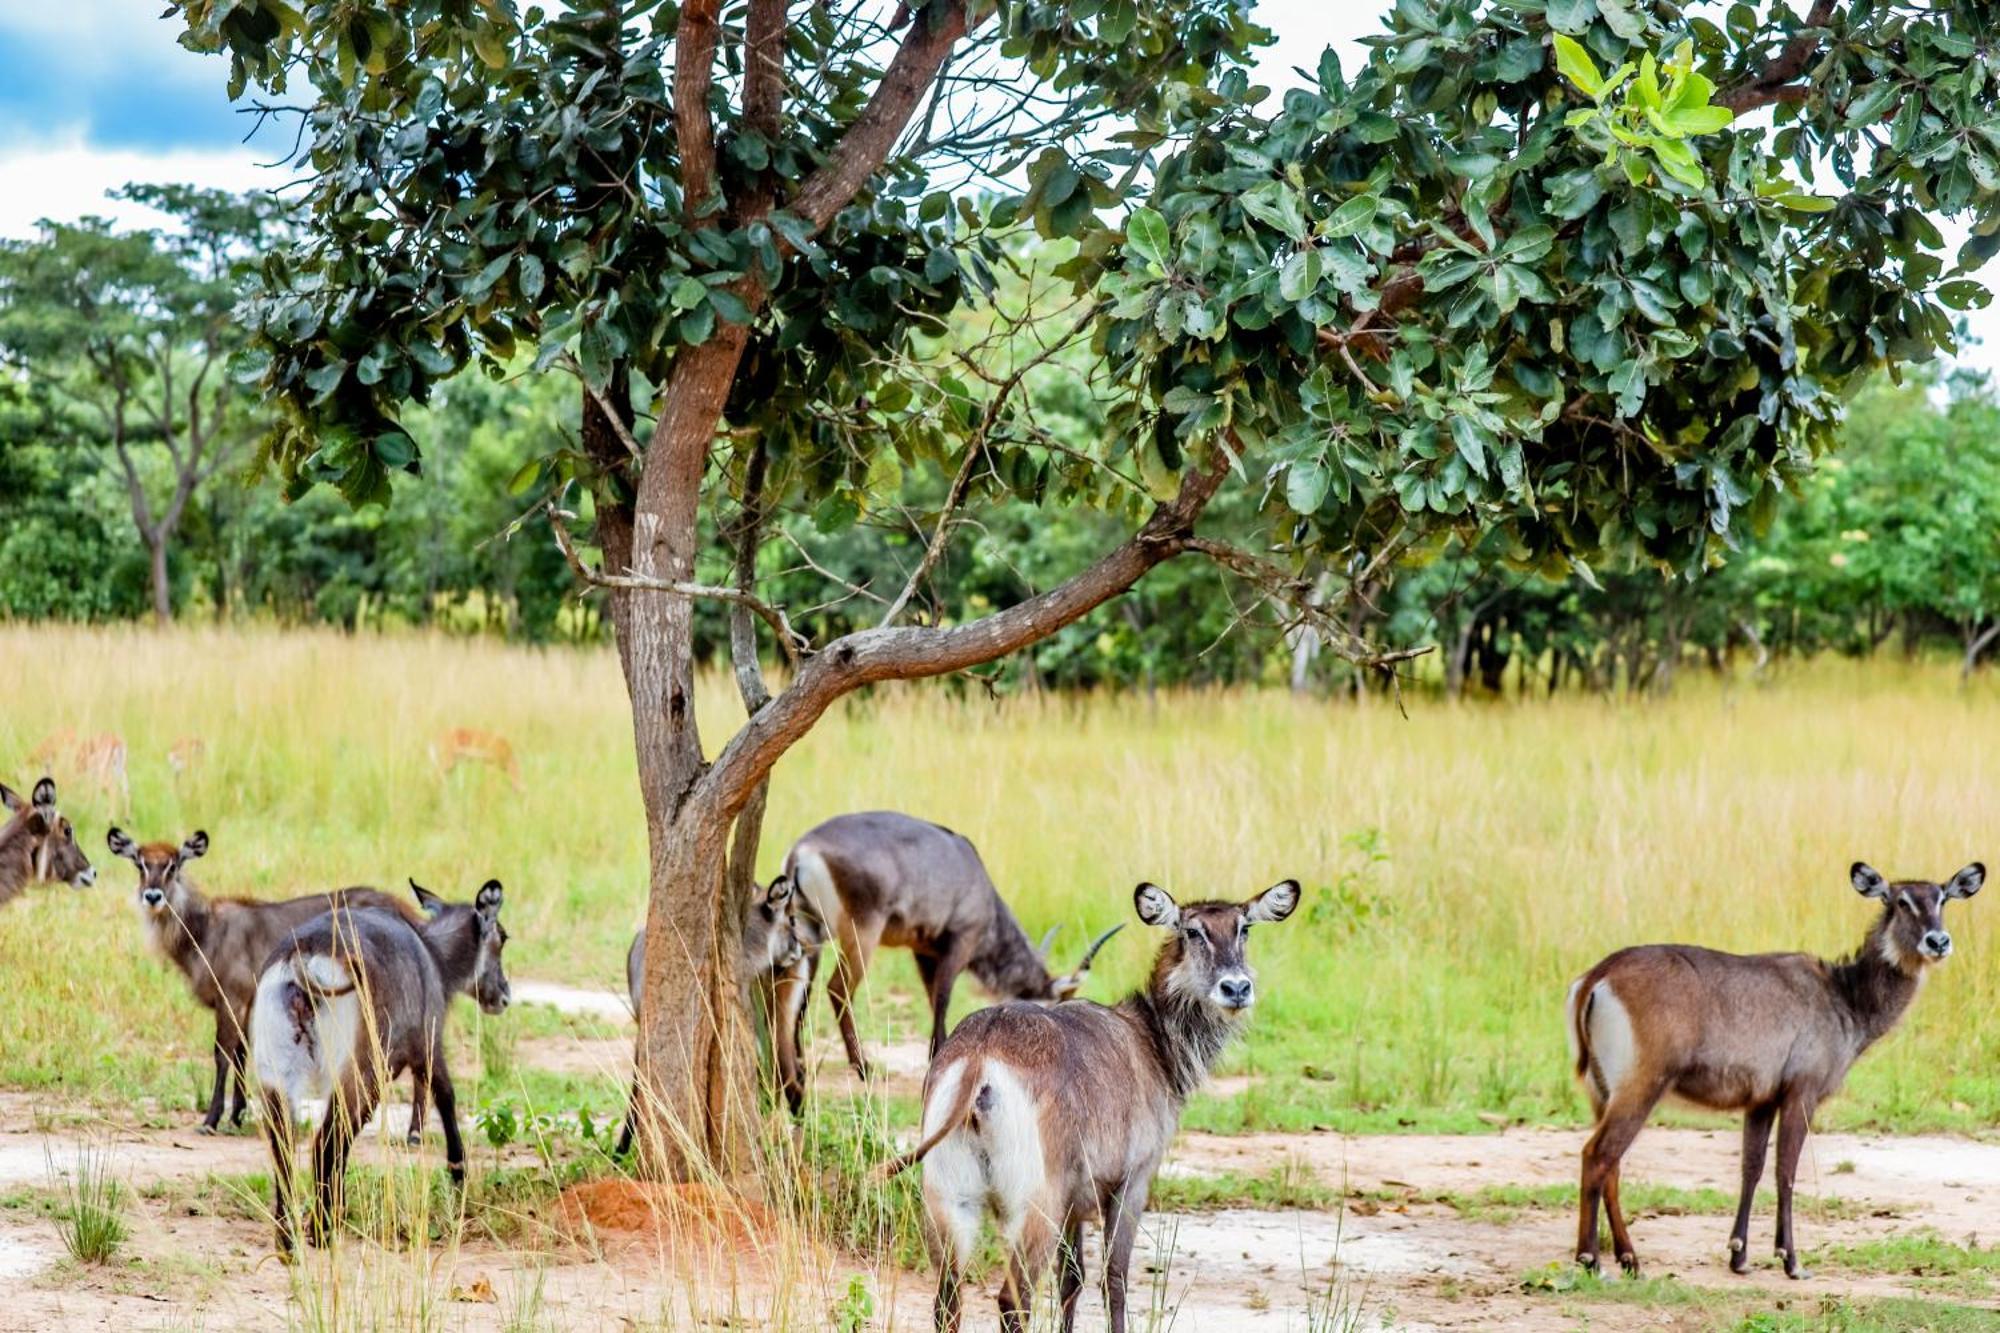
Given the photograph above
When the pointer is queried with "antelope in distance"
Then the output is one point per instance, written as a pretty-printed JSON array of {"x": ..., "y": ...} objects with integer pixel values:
[
  {"x": 1051, "y": 1116},
  {"x": 469, "y": 745},
  {"x": 886, "y": 878},
  {"x": 218, "y": 944},
  {"x": 37, "y": 844},
  {"x": 99, "y": 760},
  {"x": 350, "y": 1000},
  {"x": 1771, "y": 1035},
  {"x": 777, "y": 939}
]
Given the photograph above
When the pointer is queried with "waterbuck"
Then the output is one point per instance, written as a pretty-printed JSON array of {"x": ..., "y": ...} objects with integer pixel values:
[
  {"x": 886, "y": 878},
  {"x": 37, "y": 844},
  {"x": 777, "y": 938},
  {"x": 347, "y": 1002},
  {"x": 1770, "y": 1035},
  {"x": 1050, "y": 1116},
  {"x": 219, "y": 944}
]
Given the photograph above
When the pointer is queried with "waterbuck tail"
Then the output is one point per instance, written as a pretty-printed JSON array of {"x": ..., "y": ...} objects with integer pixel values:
[
  {"x": 960, "y": 1095},
  {"x": 1576, "y": 1009}
]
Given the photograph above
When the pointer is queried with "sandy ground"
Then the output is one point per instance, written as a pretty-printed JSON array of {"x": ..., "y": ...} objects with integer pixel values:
[{"x": 1399, "y": 1260}]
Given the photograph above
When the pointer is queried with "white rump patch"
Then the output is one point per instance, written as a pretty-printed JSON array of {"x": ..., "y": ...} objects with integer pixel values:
[
  {"x": 995, "y": 1160},
  {"x": 296, "y": 1068},
  {"x": 815, "y": 882},
  {"x": 1613, "y": 1048}
]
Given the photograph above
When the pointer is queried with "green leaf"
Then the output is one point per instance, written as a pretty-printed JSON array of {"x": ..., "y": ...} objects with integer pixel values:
[
  {"x": 1575, "y": 63},
  {"x": 1306, "y": 485},
  {"x": 532, "y": 277},
  {"x": 1147, "y": 235},
  {"x": 1571, "y": 16},
  {"x": 1351, "y": 216},
  {"x": 1299, "y": 276}
]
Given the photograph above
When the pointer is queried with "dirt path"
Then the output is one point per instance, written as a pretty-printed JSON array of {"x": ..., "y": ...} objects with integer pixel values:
[{"x": 1394, "y": 1251}]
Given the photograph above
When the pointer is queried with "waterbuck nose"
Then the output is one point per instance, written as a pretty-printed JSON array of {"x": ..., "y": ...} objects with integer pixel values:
[
  {"x": 153, "y": 897},
  {"x": 1235, "y": 991},
  {"x": 1936, "y": 943},
  {"x": 87, "y": 878}
]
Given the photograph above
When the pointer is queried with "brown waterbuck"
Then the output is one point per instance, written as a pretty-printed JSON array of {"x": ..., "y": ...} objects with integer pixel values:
[
  {"x": 1050, "y": 1116},
  {"x": 38, "y": 845},
  {"x": 885, "y": 878},
  {"x": 219, "y": 944},
  {"x": 347, "y": 1002},
  {"x": 1770, "y": 1035},
  {"x": 777, "y": 938}
]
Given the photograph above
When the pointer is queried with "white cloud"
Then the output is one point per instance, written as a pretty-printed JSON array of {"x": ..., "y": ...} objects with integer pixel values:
[{"x": 64, "y": 177}]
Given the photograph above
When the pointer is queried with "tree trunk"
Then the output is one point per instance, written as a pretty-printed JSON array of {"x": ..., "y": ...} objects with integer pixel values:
[
  {"x": 163, "y": 593},
  {"x": 1975, "y": 645}
]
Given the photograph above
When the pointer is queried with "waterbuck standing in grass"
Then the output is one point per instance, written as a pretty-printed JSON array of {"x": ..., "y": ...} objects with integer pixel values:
[
  {"x": 1050, "y": 1116},
  {"x": 1771, "y": 1035},
  {"x": 347, "y": 1002},
  {"x": 37, "y": 844},
  {"x": 777, "y": 939},
  {"x": 219, "y": 944},
  {"x": 886, "y": 878}
]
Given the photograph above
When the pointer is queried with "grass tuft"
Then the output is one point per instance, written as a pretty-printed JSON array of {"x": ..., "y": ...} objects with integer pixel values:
[{"x": 90, "y": 1211}]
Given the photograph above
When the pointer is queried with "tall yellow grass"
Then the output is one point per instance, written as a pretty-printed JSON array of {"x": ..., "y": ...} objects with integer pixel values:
[{"x": 1524, "y": 840}]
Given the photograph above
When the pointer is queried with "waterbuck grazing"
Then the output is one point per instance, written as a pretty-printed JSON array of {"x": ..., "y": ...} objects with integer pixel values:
[
  {"x": 777, "y": 939},
  {"x": 38, "y": 845},
  {"x": 219, "y": 944},
  {"x": 885, "y": 878},
  {"x": 1771, "y": 1035},
  {"x": 347, "y": 1002},
  {"x": 1051, "y": 1116}
]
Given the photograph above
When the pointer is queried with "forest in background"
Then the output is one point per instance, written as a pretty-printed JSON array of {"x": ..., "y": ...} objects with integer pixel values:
[{"x": 125, "y": 424}]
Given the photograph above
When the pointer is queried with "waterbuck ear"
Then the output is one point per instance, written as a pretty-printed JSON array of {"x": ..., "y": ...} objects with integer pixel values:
[
  {"x": 1156, "y": 906},
  {"x": 45, "y": 795},
  {"x": 1967, "y": 881},
  {"x": 427, "y": 900},
  {"x": 1273, "y": 904},
  {"x": 779, "y": 892},
  {"x": 488, "y": 901},
  {"x": 195, "y": 847},
  {"x": 1868, "y": 881},
  {"x": 11, "y": 799},
  {"x": 121, "y": 844}
]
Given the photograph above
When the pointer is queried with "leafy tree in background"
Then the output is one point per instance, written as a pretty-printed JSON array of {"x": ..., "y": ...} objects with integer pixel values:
[
  {"x": 123, "y": 339},
  {"x": 1460, "y": 296}
]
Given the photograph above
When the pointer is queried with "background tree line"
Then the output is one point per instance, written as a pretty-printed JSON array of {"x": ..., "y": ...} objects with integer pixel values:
[{"x": 1886, "y": 547}]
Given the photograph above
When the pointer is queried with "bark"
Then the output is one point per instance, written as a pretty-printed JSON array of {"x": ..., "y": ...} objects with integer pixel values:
[
  {"x": 163, "y": 592},
  {"x": 1976, "y": 645}
]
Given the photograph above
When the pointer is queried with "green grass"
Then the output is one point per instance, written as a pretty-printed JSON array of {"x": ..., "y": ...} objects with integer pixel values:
[
  {"x": 1290, "y": 1184},
  {"x": 90, "y": 1207},
  {"x": 1460, "y": 866},
  {"x": 1579, "y": 1299},
  {"x": 1926, "y": 1257},
  {"x": 1503, "y": 1203}
]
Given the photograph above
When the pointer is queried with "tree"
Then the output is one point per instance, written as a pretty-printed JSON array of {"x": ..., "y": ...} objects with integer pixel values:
[
  {"x": 1577, "y": 313},
  {"x": 124, "y": 337}
]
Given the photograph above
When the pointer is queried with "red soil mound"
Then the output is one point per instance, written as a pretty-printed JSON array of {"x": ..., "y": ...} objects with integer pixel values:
[{"x": 669, "y": 1216}]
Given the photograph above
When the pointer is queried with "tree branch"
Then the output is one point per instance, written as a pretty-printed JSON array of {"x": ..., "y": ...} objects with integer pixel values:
[
  {"x": 694, "y": 75},
  {"x": 749, "y": 536},
  {"x": 1298, "y": 593},
  {"x": 764, "y": 67},
  {"x": 887, "y": 653},
  {"x": 1770, "y": 84},
  {"x": 869, "y": 140},
  {"x": 613, "y": 418},
  {"x": 789, "y": 640}
]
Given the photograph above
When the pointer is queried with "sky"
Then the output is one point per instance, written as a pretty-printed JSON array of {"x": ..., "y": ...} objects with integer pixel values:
[{"x": 97, "y": 93}]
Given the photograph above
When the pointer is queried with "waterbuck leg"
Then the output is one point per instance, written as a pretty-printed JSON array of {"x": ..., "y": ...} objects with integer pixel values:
[
  {"x": 857, "y": 947},
  {"x": 791, "y": 1045},
  {"x": 1792, "y": 1125},
  {"x": 446, "y": 1098},
  {"x": 1756, "y": 1142},
  {"x": 940, "y": 973},
  {"x": 213, "y": 1119},
  {"x": 1121, "y": 1229},
  {"x": 949, "y": 1309},
  {"x": 347, "y": 1111},
  {"x": 233, "y": 1053},
  {"x": 1069, "y": 1272},
  {"x": 1624, "y": 1116},
  {"x": 1031, "y": 1256},
  {"x": 420, "y": 1095},
  {"x": 1621, "y": 1239},
  {"x": 631, "y": 1121},
  {"x": 278, "y": 1133}
]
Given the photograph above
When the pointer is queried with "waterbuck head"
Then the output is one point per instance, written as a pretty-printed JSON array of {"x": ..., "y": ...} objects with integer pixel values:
[
  {"x": 44, "y": 839},
  {"x": 1204, "y": 962},
  {"x": 1911, "y": 935},
  {"x": 162, "y": 891},
  {"x": 772, "y": 938},
  {"x": 469, "y": 939}
]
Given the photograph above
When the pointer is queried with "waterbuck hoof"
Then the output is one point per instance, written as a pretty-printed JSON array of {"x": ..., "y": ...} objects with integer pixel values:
[
  {"x": 1587, "y": 1262},
  {"x": 1630, "y": 1263},
  {"x": 868, "y": 1072},
  {"x": 415, "y": 1138},
  {"x": 1739, "y": 1259},
  {"x": 1794, "y": 1270},
  {"x": 205, "y": 1128}
]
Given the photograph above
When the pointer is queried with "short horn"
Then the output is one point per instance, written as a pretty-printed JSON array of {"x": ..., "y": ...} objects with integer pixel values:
[
  {"x": 1047, "y": 940},
  {"x": 1095, "y": 945}
]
